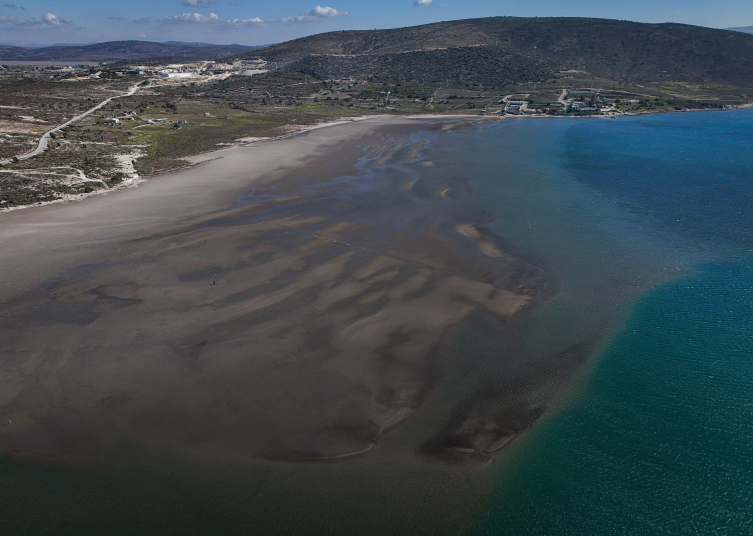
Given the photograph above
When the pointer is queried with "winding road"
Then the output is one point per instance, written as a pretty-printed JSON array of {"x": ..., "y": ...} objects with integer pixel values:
[{"x": 42, "y": 145}]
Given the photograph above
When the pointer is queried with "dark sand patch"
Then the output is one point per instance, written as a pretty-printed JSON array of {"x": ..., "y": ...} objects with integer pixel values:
[{"x": 499, "y": 411}]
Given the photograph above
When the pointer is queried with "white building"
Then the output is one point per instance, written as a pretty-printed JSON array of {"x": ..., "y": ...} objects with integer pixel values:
[{"x": 166, "y": 74}]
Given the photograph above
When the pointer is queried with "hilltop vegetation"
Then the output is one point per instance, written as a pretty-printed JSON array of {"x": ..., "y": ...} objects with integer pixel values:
[
  {"x": 618, "y": 50},
  {"x": 469, "y": 66}
]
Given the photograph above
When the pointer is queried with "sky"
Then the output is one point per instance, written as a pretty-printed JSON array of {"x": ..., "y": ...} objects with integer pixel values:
[{"x": 258, "y": 22}]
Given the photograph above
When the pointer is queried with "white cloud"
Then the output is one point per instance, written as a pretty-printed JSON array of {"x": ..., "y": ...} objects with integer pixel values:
[
  {"x": 422, "y": 2},
  {"x": 54, "y": 20},
  {"x": 48, "y": 21},
  {"x": 142, "y": 20},
  {"x": 316, "y": 13},
  {"x": 244, "y": 23},
  {"x": 142, "y": 35},
  {"x": 194, "y": 18},
  {"x": 213, "y": 19},
  {"x": 327, "y": 12},
  {"x": 198, "y": 3}
]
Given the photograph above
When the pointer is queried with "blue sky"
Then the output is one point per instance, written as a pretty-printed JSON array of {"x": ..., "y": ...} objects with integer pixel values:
[{"x": 255, "y": 22}]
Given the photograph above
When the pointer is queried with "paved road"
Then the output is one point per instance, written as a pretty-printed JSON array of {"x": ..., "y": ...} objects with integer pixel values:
[{"x": 46, "y": 136}]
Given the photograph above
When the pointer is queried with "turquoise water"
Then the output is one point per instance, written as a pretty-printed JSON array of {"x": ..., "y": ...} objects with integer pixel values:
[
  {"x": 661, "y": 441},
  {"x": 659, "y": 437}
]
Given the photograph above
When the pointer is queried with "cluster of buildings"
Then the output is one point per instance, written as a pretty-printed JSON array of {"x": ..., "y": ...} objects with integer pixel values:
[
  {"x": 127, "y": 116},
  {"x": 205, "y": 68},
  {"x": 515, "y": 107},
  {"x": 592, "y": 103}
]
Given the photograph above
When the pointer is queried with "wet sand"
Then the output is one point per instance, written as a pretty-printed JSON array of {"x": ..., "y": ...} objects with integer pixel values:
[
  {"x": 486, "y": 246},
  {"x": 282, "y": 303},
  {"x": 442, "y": 190}
]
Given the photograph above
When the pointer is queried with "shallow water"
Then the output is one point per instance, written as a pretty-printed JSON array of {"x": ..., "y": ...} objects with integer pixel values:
[
  {"x": 489, "y": 419},
  {"x": 658, "y": 440}
]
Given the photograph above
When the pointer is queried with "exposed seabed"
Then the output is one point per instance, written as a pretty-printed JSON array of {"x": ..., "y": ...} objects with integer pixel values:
[{"x": 299, "y": 303}]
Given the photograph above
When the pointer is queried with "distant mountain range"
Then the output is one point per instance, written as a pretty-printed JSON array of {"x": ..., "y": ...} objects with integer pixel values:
[
  {"x": 531, "y": 47},
  {"x": 745, "y": 29},
  {"x": 121, "y": 50}
]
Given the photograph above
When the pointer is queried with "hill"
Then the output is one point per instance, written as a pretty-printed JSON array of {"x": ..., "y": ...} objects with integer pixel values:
[
  {"x": 121, "y": 50},
  {"x": 744, "y": 29},
  {"x": 466, "y": 66},
  {"x": 617, "y": 50}
]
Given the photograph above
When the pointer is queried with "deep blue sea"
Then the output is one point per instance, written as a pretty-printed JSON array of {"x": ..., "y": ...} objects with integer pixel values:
[{"x": 646, "y": 224}]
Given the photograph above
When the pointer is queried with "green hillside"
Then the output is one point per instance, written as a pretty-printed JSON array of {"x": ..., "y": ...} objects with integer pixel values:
[
  {"x": 617, "y": 50},
  {"x": 469, "y": 66}
]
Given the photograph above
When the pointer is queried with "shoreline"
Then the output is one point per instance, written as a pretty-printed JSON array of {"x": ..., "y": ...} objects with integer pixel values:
[
  {"x": 202, "y": 157},
  {"x": 298, "y": 130}
]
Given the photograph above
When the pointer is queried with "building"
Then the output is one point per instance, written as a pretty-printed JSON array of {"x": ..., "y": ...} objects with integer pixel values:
[
  {"x": 112, "y": 121},
  {"x": 166, "y": 74}
]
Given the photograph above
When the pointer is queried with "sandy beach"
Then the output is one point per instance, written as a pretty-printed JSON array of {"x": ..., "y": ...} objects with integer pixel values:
[{"x": 269, "y": 301}]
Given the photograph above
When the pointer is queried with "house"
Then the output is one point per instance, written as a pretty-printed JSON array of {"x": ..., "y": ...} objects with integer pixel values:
[
  {"x": 126, "y": 118},
  {"x": 112, "y": 121}
]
